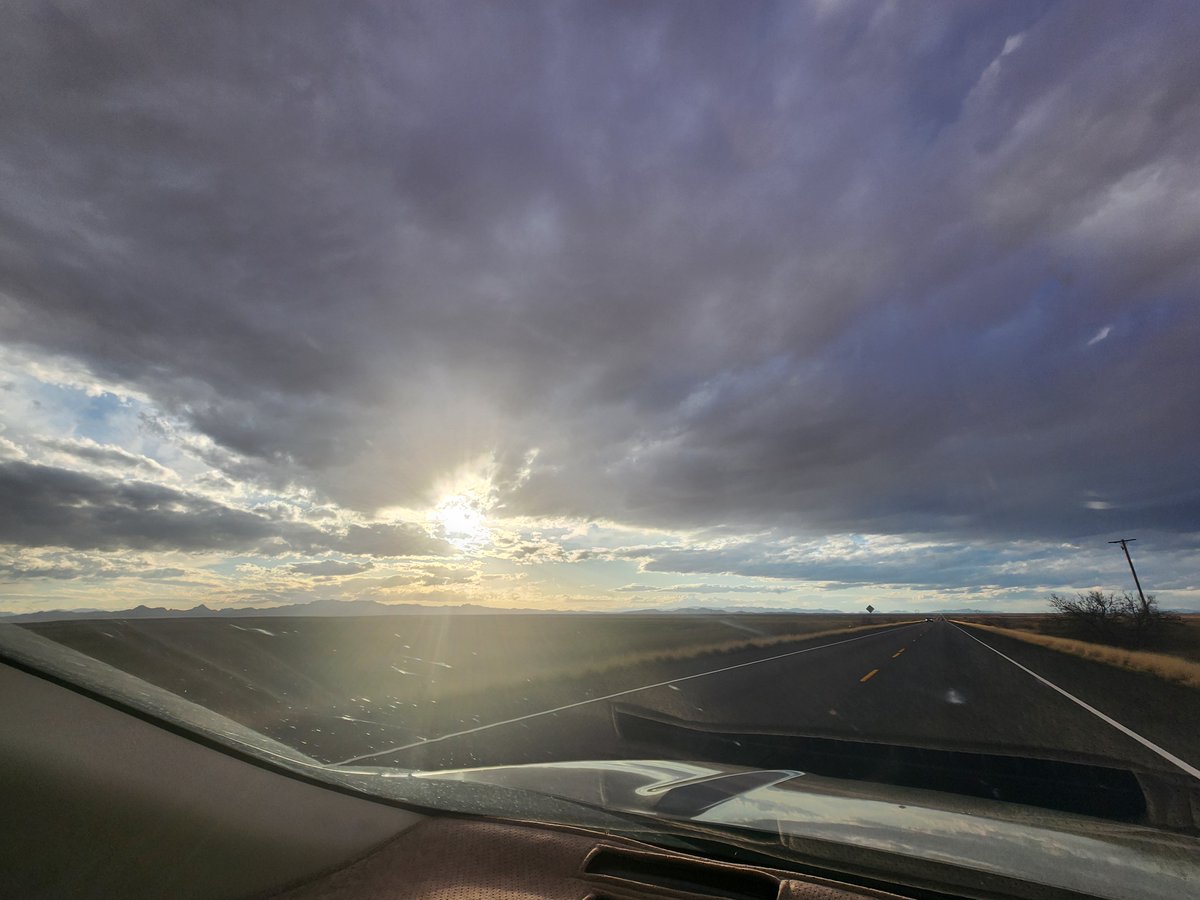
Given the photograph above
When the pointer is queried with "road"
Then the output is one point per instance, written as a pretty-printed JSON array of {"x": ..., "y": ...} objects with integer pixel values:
[{"x": 929, "y": 684}]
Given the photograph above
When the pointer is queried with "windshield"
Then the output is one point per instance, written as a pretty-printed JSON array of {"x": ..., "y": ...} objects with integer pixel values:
[{"x": 786, "y": 388}]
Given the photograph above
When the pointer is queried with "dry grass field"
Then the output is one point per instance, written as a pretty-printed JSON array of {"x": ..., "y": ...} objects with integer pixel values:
[{"x": 1175, "y": 655}]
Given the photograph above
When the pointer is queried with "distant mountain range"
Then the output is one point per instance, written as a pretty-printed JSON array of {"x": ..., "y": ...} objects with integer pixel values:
[
  {"x": 375, "y": 608},
  {"x": 316, "y": 608}
]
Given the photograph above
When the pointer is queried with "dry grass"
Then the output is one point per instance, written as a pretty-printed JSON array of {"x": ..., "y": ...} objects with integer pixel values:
[{"x": 1161, "y": 665}]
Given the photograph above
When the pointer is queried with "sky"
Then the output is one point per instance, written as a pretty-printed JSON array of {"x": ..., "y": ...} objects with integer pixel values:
[{"x": 598, "y": 306}]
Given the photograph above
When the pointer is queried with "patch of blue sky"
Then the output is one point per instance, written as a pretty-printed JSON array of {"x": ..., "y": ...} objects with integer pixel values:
[
  {"x": 105, "y": 418},
  {"x": 47, "y": 409},
  {"x": 588, "y": 574},
  {"x": 228, "y": 565}
]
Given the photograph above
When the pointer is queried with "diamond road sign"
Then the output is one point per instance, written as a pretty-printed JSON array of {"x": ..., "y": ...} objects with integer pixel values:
[{"x": 870, "y": 608}]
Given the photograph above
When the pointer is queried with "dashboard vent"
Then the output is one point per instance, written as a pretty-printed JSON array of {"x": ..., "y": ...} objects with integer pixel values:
[{"x": 632, "y": 870}]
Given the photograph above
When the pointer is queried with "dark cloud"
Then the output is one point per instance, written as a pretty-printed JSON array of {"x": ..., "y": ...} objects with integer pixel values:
[
  {"x": 329, "y": 568},
  {"x": 941, "y": 567},
  {"x": 384, "y": 539},
  {"x": 46, "y": 506},
  {"x": 718, "y": 264},
  {"x": 104, "y": 455},
  {"x": 52, "y": 507},
  {"x": 67, "y": 566},
  {"x": 703, "y": 589}
]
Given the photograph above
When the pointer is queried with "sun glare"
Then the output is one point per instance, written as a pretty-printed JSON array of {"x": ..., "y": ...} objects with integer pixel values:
[{"x": 461, "y": 522}]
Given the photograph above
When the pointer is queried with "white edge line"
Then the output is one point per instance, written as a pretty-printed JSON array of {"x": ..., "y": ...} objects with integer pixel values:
[
  {"x": 644, "y": 687},
  {"x": 1150, "y": 745}
]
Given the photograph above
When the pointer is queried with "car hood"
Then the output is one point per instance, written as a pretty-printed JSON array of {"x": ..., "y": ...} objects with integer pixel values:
[{"x": 844, "y": 821}]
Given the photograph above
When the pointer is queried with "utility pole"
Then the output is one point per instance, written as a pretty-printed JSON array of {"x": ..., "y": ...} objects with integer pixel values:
[{"x": 1124, "y": 542}]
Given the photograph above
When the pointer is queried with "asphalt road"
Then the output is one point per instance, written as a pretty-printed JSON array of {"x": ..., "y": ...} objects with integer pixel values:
[{"x": 929, "y": 684}]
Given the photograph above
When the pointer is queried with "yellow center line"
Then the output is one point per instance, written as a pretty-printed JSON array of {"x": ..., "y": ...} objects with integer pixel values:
[
  {"x": 898, "y": 652},
  {"x": 869, "y": 675}
]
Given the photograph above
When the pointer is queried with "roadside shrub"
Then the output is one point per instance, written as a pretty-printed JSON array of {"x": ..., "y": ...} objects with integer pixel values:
[{"x": 1112, "y": 618}]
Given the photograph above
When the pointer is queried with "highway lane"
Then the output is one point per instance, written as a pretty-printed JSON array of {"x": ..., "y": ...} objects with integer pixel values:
[{"x": 929, "y": 684}]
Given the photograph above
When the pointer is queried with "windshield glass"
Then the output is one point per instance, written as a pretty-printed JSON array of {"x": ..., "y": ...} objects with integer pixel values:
[{"x": 763, "y": 388}]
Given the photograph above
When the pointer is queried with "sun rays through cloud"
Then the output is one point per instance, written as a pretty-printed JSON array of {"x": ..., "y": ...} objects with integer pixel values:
[{"x": 460, "y": 521}]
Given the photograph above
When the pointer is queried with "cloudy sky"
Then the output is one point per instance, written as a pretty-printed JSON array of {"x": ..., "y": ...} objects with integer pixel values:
[{"x": 599, "y": 305}]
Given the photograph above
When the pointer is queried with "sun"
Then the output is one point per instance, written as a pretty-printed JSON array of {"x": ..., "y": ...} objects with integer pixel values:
[{"x": 461, "y": 522}]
